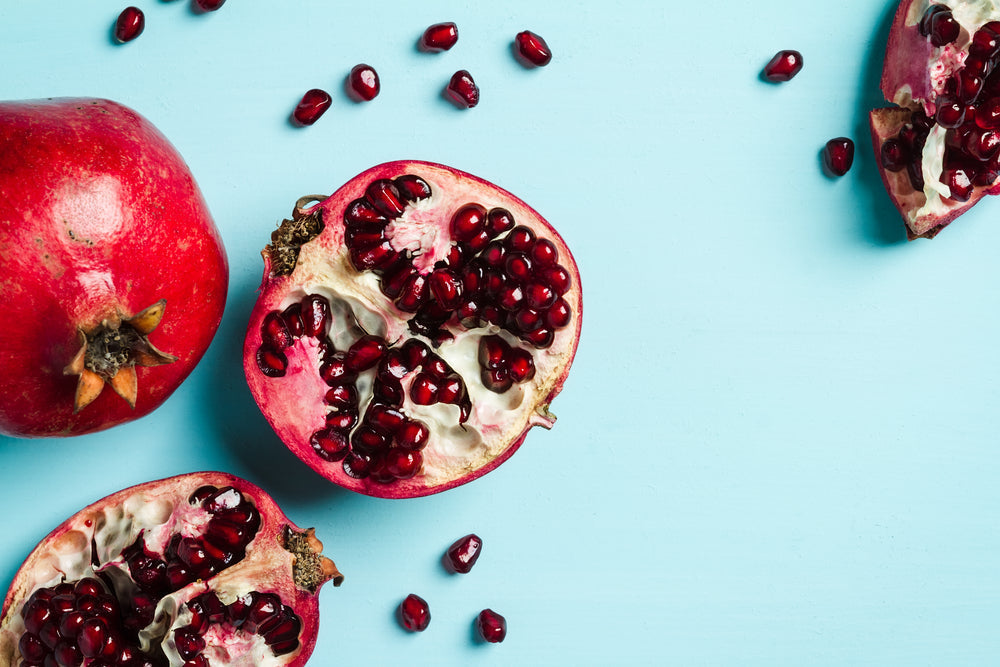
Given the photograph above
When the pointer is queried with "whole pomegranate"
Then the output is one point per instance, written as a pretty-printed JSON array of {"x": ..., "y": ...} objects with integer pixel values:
[
  {"x": 411, "y": 328},
  {"x": 113, "y": 272},
  {"x": 196, "y": 570},
  {"x": 938, "y": 150}
]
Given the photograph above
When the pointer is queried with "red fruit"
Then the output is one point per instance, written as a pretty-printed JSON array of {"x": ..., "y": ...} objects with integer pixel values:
[
  {"x": 209, "y": 5},
  {"x": 838, "y": 155},
  {"x": 941, "y": 70},
  {"x": 462, "y": 89},
  {"x": 313, "y": 104},
  {"x": 532, "y": 49},
  {"x": 117, "y": 259},
  {"x": 439, "y": 37},
  {"x": 130, "y": 24},
  {"x": 491, "y": 626},
  {"x": 783, "y": 66},
  {"x": 414, "y": 613},
  {"x": 257, "y": 574},
  {"x": 400, "y": 366},
  {"x": 364, "y": 84},
  {"x": 463, "y": 554}
]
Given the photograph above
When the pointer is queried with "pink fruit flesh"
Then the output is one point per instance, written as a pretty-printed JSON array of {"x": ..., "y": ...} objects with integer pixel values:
[
  {"x": 783, "y": 66},
  {"x": 439, "y": 37},
  {"x": 532, "y": 49},
  {"x": 120, "y": 277},
  {"x": 313, "y": 104},
  {"x": 364, "y": 82},
  {"x": 449, "y": 313},
  {"x": 414, "y": 613},
  {"x": 130, "y": 24},
  {"x": 463, "y": 554},
  {"x": 239, "y": 576},
  {"x": 462, "y": 89},
  {"x": 938, "y": 152},
  {"x": 491, "y": 626},
  {"x": 838, "y": 155}
]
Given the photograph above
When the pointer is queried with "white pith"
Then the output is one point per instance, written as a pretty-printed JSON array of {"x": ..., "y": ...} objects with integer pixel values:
[
  {"x": 66, "y": 556},
  {"x": 324, "y": 267}
]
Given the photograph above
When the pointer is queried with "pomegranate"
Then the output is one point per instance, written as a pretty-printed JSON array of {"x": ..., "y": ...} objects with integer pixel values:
[
  {"x": 363, "y": 83},
  {"x": 192, "y": 570},
  {"x": 838, "y": 155},
  {"x": 130, "y": 24},
  {"x": 120, "y": 275},
  {"x": 462, "y": 90},
  {"x": 491, "y": 626},
  {"x": 783, "y": 66},
  {"x": 414, "y": 613},
  {"x": 463, "y": 554},
  {"x": 531, "y": 49},
  {"x": 411, "y": 328},
  {"x": 938, "y": 149},
  {"x": 439, "y": 37},
  {"x": 313, "y": 104}
]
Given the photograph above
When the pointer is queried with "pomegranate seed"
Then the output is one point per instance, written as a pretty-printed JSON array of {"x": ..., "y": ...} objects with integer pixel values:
[
  {"x": 364, "y": 353},
  {"x": 557, "y": 278},
  {"x": 383, "y": 418},
  {"x": 274, "y": 331},
  {"x": 959, "y": 183},
  {"x": 424, "y": 389},
  {"x": 439, "y": 37},
  {"x": 493, "y": 351},
  {"x": 334, "y": 369},
  {"x": 924, "y": 27},
  {"x": 463, "y": 89},
  {"x": 558, "y": 315},
  {"x": 783, "y": 66},
  {"x": 361, "y": 212},
  {"x": 342, "y": 421},
  {"x": 494, "y": 254},
  {"x": 414, "y": 352},
  {"x": 451, "y": 390},
  {"x": 518, "y": 266},
  {"x": 492, "y": 627},
  {"x": 32, "y": 649},
  {"x": 357, "y": 465},
  {"x": 983, "y": 144},
  {"x": 403, "y": 463},
  {"x": 894, "y": 154},
  {"x": 272, "y": 363},
  {"x": 468, "y": 221},
  {"x": 413, "y": 188},
  {"x": 376, "y": 257},
  {"x": 520, "y": 239},
  {"x": 540, "y": 338},
  {"x": 130, "y": 24},
  {"x": 413, "y": 294},
  {"x": 944, "y": 29},
  {"x": 984, "y": 43},
  {"x": 988, "y": 114},
  {"x": 315, "y": 310},
  {"x": 364, "y": 83},
  {"x": 188, "y": 642},
  {"x": 528, "y": 319},
  {"x": 838, "y": 155},
  {"x": 968, "y": 86},
  {"x": 414, "y": 613},
  {"x": 313, "y": 104},
  {"x": 463, "y": 554},
  {"x": 521, "y": 365},
  {"x": 532, "y": 49},
  {"x": 510, "y": 297},
  {"x": 412, "y": 434},
  {"x": 497, "y": 380},
  {"x": 539, "y": 296},
  {"x": 498, "y": 221},
  {"x": 446, "y": 288},
  {"x": 209, "y": 5},
  {"x": 950, "y": 113},
  {"x": 330, "y": 443},
  {"x": 544, "y": 253}
]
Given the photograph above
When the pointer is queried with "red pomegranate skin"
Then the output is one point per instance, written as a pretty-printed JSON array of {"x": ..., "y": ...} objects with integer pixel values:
[{"x": 99, "y": 216}]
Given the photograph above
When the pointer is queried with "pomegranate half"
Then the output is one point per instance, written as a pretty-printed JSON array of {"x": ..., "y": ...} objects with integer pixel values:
[
  {"x": 938, "y": 149},
  {"x": 113, "y": 271},
  {"x": 195, "y": 570},
  {"x": 411, "y": 328}
]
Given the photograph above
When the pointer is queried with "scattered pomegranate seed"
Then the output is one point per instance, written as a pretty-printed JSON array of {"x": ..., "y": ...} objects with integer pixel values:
[
  {"x": 492, "y": 627},
  {"x": 463, "y": 89},
  {"x": 130, "y": 24},
  {"x": 364, "y": 82},
  {"x": 532, "y": 49},
  {"x": 209, "y": 5},
  {"x": 783, "y": 66},
  {"x": 464, "y": 553},
  {"x": 838, "y": 155},
  {"x": 415, "y": 613},
  {"x": 313, "y": 105},
  {"x": 439, "y": 37}
]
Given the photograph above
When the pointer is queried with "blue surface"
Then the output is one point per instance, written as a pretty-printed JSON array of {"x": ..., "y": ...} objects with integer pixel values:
[{"x": 778, "y": 442}]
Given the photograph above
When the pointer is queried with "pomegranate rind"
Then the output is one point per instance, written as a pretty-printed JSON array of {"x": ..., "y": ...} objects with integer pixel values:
[
  {"x": 291, "y": 403},
  {"x": 103, "y": 219},
  {"x": 67, "y": 551}
]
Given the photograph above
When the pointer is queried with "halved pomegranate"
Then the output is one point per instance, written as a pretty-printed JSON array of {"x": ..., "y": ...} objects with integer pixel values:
[
  {"x": 938, "y": 150},
  {"x": 195, "y": 570},
  {"x": 411, "y": 328}
]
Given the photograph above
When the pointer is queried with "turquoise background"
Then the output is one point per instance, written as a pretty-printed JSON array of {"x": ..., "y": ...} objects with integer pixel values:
[{"x": 778, "y": 444}]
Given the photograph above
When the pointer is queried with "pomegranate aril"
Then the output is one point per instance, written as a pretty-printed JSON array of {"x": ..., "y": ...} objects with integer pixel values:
[
  {"x": 341, "y": 421},
  {"x": 544, "y": 253},
  {"x": 415, "y": 613},
  {"x": 950, "y": 113},
  {"x": 413, "y": 294},
  {"x": 959, "y": 183},
  {"x": 315, "y": 311},
  {"x": 894, "y": 154},
  {"x": 376, "y": 257},
  {"x": 272, "y": 363},
  {"x": 367, "y": 440},
  {"x": 518, "y": 266},
  {"x": 527, "y": 319},
  {"x": 388, "y": 393},
  {"x": 982, "y": 145},
  {"x": 130, "y": 24},
  {"x": 492, "y": 627},
  {"x": 498, "y": 221},
  {"x": 342, "y": 396},
  {"x": 497, "y": 380},
  {"x": 385, "y": 197},
  {"x": 67, "y": 655},
  {"x": 494, "y": 254},
  {"x": 424, "y": 389},
  {"x": 944, "y": 29},
  {"x": 532, "y": 48},
  {"x": 838, "y": 155},
  {"x": 520, "y": 239},
  {"x": 357, "y": 465},
  {"x": 413, "y": 188},
  {"x": 539, "y": 296},
  {"x": 412, "y": 434},
  {"x": 69, "y": 624},
  {"x": 395, "y": 278},
  {"x": 463, "y": 554},
  {"x": 403, "y": 463},
  {"x": 384, "y": 418},
  {"x": 558, "y": 315},
  {"x": 510, "y": 297},
  {"x": 439, "y": 37},
  {"x": 364, "y": 353},
  {"x": 361, "y": 212},
  {"x": 446, "y": 288},
  {"x": 783, "y": 66},
  {"x": 540, "y": 338},
  {"x": 209, "y": 5},
  {"x": 463, "y": 89},
  {"x": 414, "y": 353},
  {"x": 313, "y": 104},
  {"x": 557, "y": 278},
  {"x": 924, "y": 26},
  {"x": 364, "y": 82},
  {"x": 451, "y": 390},
  {"x": 363, "y": 237},
  {"x": 334, "y": 369},
  {"x": 468, "y": 221},
  {"x": 188, "y": 642},
  {"x": 229, "y": 535},
  {"x": 521, "y": 365},
  {"x": 274, "y": 332},
  {"x": 985, "y": 43},
  {"x": 493, "y": 351},
  {"x": 292, "y": 315},
  {"x": 330, "y": 443},
  {"x": 31, "y": 648}
]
